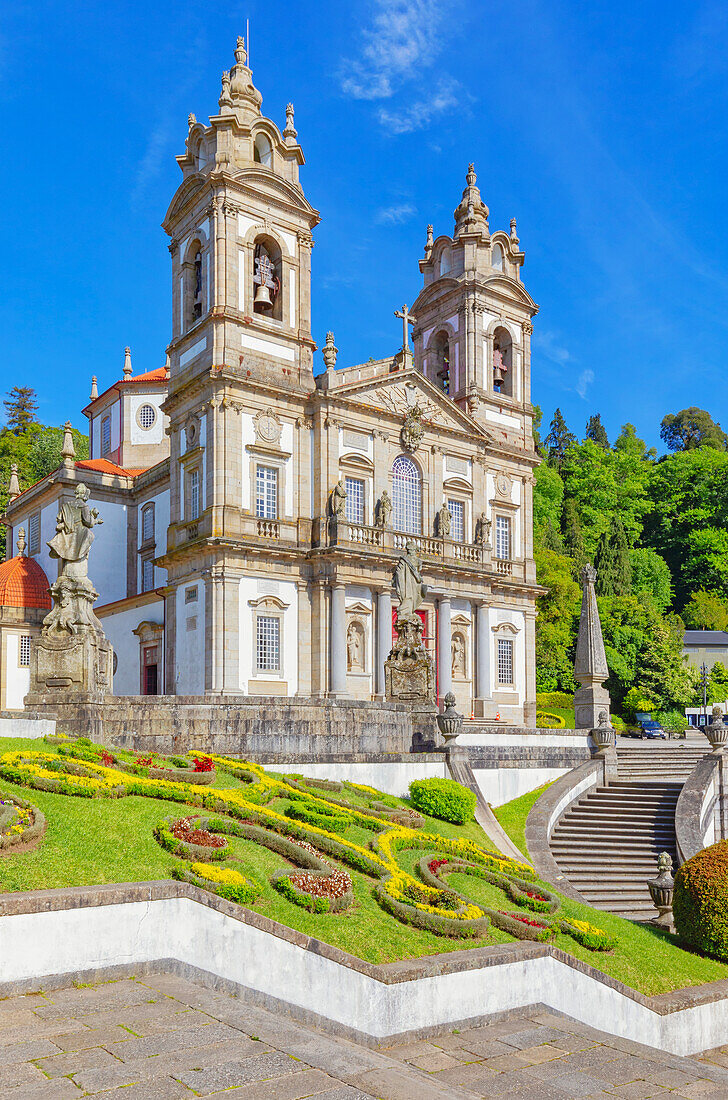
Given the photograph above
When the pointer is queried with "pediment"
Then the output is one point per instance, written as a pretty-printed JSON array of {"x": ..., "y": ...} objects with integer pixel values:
[
  {"x": 184, "y": 194},
  {"x": 260, "y": 179},
  {"x": 511, "y": 288},
  {"x": 399, "y": 392}
]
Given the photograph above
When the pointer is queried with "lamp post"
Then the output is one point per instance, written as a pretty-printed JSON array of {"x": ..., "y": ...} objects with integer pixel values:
[{"x": 704, "y": 684}]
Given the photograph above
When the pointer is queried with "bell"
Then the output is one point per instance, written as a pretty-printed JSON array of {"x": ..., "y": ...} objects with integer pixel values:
[
  {"x": 262, "y": 298},
  {"x": 497, "y": 375}
]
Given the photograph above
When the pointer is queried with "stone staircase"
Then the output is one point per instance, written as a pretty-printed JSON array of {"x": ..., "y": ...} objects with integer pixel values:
[{"x": 607, "y": 843}]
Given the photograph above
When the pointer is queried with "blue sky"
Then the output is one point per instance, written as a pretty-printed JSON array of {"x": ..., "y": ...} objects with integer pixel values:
[{"x": 601, "y": 127}]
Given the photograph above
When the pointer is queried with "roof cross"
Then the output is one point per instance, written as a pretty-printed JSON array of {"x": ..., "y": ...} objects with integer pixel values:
[{"x": 407, "y": 319}]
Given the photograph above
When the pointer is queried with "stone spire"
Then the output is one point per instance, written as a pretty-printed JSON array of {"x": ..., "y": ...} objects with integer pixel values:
[
  {"x": 14, "y": 484},
  {"x": 290, "y": 134},
  {"x": 239, "y": 95},
  {"x": 471, "y": 216},
  {"x": 127, "y": 363},
  {"x": 94, "y": 388},
  {"x": 590, "y": 663},
  {"x": 68, "y": 451}
]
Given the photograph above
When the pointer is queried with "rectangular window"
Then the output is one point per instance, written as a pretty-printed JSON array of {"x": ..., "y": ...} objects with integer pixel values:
[
  {"x": 268, "y": 643},
  {"x": 193, "y": 494},
  {"x": 191, "y": 594},
  {"x": 266, "y": 492},
  {"x": 147, "y": 575},
  {"x": 34, "y": 533},
  {"x": 105, "y": 435},
  {"x": 505, "y": 661},
  {"x": 354, "y": 499},
  {"x": 148, "y": 523},
  {"x": 503, "y": 537},
  {"x": 24, "y": 651},
  {"x": 457, "y": 517}
]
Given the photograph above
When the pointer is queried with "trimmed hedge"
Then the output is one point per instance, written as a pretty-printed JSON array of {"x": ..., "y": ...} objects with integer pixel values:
[
  {"x": 700, "y": 902},
  {"x": 444, "y": 799}
]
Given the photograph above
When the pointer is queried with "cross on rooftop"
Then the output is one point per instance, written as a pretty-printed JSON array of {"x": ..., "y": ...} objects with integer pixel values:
[{"x": 407, "y": 319}]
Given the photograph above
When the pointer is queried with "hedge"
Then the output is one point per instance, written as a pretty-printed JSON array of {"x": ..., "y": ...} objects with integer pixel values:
[
  {"x": 700, "y": 902},
  {"x": 444, "y": 799}
]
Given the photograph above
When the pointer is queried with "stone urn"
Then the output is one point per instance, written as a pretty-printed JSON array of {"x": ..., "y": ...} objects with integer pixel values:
[
  {"x": 603, "y": 734},
  {"x": 717, "y": 731},
  {"x": 449, "y": 722},
  {"x": 661, "y": 891}
]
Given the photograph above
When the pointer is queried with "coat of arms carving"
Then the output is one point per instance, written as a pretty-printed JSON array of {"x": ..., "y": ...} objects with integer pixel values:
[{"x": 412, "y": 429}]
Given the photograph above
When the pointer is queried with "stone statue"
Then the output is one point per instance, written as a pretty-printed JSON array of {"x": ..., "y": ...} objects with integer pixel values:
[
  {"x": 384, "y": 509},
  {"x": 408, "y": 583},
  {"x": 338, "y": 499},
  {"x": 444, "y": 521},
  {"x": 483, "y": 530},
  {"x": 74, "y": 534},
  {"x": 353, "y": 646},
  {"x": 458, "y": 654}
]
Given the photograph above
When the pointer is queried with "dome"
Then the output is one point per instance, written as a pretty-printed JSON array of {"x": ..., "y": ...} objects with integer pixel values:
[{"x": 23, "y": 584}]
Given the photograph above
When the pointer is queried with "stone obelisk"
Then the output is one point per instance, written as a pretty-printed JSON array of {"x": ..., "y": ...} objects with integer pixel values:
[{"x": 591, "y": 700}]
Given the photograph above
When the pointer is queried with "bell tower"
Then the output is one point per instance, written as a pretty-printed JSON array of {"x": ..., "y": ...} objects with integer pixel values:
[
  {"x": 240, "y": 229},
  {"x": 473, "y": 317}
]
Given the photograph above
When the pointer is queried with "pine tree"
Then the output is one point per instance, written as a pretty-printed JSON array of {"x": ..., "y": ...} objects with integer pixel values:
[
  {"x": 596, "y": 431},
  {"x": 559, "y": 439},
  {"x": 614, "y": 570},
  {"x": 571, "y": 532},
  {"x": 552, "y": 539},
  {"x": 20, "y": 409}
]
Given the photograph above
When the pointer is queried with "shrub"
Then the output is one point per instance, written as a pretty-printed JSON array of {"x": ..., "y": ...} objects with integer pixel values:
[
  {"x": 547, "y": 721},
  {"x": 700, "y": 903},
  {"x": 618, "y": 724},
  {"x": 443, "y": 798},
  {"x": 547, "y": 699},
  {"x": 672, "y": 720}
]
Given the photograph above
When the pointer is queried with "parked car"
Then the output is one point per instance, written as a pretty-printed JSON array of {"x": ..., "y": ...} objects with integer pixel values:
[{"x": 648, "y": 728}]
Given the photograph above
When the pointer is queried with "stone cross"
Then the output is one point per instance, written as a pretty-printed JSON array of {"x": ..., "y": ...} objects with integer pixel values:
[{"x": 407, "y": 319}]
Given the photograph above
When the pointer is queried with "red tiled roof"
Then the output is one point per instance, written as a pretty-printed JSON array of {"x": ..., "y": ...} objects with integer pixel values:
[
  {"x": 158, "y": 375},
  {"x": 23, "y": 584},
  {"x": 103, "y": 466}
]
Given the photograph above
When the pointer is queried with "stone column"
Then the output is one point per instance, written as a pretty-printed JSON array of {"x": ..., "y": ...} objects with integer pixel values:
[
  {"x": 337, "y": 640},
  {"x": 482, "y": 659},
  {"x": 529, "y": 698},
  {"x": 384, "y": 636},
  {"x": 444, "y": 647}
]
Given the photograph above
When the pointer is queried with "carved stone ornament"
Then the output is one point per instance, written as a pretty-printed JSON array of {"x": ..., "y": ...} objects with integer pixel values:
[
  {"x": 412, "y": 429},
  {"x": 192, "y": 432},
  {"x": 268, "y": 427},
  {"x": 503, "y": 485}
]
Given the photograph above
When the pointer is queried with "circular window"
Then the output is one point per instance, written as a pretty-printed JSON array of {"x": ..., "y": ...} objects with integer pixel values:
[{"x": 146, "y": 417}]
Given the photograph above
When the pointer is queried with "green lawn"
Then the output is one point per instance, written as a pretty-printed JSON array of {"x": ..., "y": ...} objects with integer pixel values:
[{"x": 90, "y": 841}]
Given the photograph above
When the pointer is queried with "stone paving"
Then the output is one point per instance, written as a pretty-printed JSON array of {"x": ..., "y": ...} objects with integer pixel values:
[{"x": 165, "y": 1038}]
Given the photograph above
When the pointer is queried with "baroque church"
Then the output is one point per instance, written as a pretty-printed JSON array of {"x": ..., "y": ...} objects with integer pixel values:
[{"x": 253, "y": 510}]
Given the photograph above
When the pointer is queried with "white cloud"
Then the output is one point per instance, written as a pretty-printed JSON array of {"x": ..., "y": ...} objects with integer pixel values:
[
  {"x": 583, "y": 382},
  {"x": 395, "y": 214},
  {"x": 403, "y": 37},
  {"x": 421, "y": 113},
  {"x": 547, "y": 344}
]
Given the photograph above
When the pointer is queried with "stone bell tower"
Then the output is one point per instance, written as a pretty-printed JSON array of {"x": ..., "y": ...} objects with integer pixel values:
[
  {"x": 472, "y": 337},
  {"x": 240, "y": 230}
]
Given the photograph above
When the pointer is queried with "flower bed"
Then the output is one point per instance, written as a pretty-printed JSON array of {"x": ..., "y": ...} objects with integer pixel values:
[
  {"x": 189, "y": 838},
  {"x": 21, "y": 824},
  {"x": 224, "y": 881}
]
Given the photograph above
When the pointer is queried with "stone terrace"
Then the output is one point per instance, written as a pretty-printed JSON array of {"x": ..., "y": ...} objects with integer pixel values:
[{"x": 165, "y": 1038}]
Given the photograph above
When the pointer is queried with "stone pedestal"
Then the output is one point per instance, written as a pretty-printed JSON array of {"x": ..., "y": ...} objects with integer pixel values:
[
  {"x": 409, "y": 678},
  {"x": 591, "y": 702}
]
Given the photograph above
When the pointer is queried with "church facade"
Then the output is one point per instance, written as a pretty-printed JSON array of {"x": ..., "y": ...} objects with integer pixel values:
[{"x": 254, "y": 510}]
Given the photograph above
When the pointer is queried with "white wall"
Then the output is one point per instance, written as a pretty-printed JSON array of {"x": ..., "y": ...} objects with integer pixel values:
[
  {"x": 152, "y": 435},
  {"x": 253, "y": 588},
  {"x": 161, "y": 523},
  {"x": 17, "y": 679},
  {"x": 107, "y": 562},
  {"x": 119, "y": 628},
  {"x": 113, "y": 411},
  {"x": 190, "y": 642}
]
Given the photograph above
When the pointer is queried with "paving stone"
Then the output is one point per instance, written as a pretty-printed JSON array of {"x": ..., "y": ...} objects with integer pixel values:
[
  {"x": 60, "y": 1089},
  {"x": 180, "y": 1039},
  {"x": 623, "y": 1070},
  {"x": 142, "y": 1069},
  {"x": 20, "y": 1073},
  {"x": 394, "y": 1084},
  {"x": 639, "y": 1090},
  {"x": 311, "y": 1082},
  {"x": 87, "y": 1037},
  {"x": 434, "y": 1063},
  {"x": 465, "y": 1075},
  {"x": 487, "y": 1048},
  {"x": 165, "y": 1088},
  {"x": 505, "y": 1063},
  {"x": 531, "y": 1037},
  {"x": 25, "y": 1052},
  {"x": 700, "y": 1089},
  {"x": 672, "y": 1078},
  {"x": 226, "y": 1076},
  {"x": 65, "y": 1065},
  {"x": 346, "y": 1092},
  {"x": 587, "y": 1059},
  {"x": 534, "y": 1056}
]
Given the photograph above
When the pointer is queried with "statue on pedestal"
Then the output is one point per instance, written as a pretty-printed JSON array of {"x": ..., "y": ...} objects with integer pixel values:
[
  {"x": 409, "y": 673},
  {"x": 384, "y": 509}
]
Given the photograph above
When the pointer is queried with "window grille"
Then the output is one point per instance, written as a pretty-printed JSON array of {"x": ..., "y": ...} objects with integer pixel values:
[
  {"x": 193, "y": 494},
  {"x": 34, "y": 533},
  {"x": 266, "y": 492},
  {"x": 354, "y": 500},
  {"x": 24, "y": 651},
  {"x": 503, "y": 537},
  {"x": 147, "y": 575},
  {"x": 148, "y": 523},
  {"x": 105, "y": 435},
  {"x": 505, "y": 661},
  {"x": 407, "y": 496},
  {"x": 147, "y": 416},
  {"x": 191, "y": 594},
  {"x": 456, "y": 509},
  {"x": 268, "y": 643}
]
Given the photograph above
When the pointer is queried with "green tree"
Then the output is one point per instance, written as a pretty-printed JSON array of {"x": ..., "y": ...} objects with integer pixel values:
[
  {"x": 691, "y": 428},
  {"x": 718, "y": 683},
  {"x": 596, "y": 431},
  {"x": 605, "y": 484},
  {"x": 559, "y": 439},
  {"x": 612, "y": 562},
  {"x": 536, "y": 427},
  {"x": 573, "y": 538},
  {"x": 20, "y": 409},
  {"x": 628, "y": 442},
  {"x": 551, "y": 538},
  {"x": 44, "y": 453},
  {"x": 558, "y": 616},
  {"x": 548, "y": 495},
  {"x": 663, "y": 672},
  {"x": 706, "y": 611},
  {"x": 651, "y": 577}
]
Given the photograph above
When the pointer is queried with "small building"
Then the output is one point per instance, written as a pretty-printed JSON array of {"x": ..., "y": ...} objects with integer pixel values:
[
  {"x": 24, "y": 603},
  {"x": 706, "y": 647}
]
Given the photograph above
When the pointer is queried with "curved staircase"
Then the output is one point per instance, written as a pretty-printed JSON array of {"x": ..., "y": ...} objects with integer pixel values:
[{"x": 607, "y": 843}]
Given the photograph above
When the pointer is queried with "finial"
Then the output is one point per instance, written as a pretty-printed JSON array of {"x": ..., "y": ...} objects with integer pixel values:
[
  {"x": 225, "y": 99},
  {"x": 514, "y": 234},
  {"x": 429, "y": 241},
  {"x": 94, "y": 388},
  {"x": 329, "y": 352},
  {"x": 14, "y": 485},
  {"x": 166, "y": 364},
  {"x": 68, "y": 451},
  {"x": 20, "y": 541},
  {"x": 290, "y": 130},
  {"x": 471, "y": 176},
  {"x": 240, "y": 55},
  {"x": 191, "y": 120},
  {"x": 127, "y": 363}
]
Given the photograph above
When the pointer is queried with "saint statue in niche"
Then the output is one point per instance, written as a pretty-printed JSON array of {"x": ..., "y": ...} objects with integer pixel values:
[
  {"x": 458, "y": 654},
  {"x": 338, "y": 499},
  {"x": 384, "y": 509},
  {"x": 353, "y": 647},
  {"x": 483, "y": 530},
  {"x": 444, "y": 521}
]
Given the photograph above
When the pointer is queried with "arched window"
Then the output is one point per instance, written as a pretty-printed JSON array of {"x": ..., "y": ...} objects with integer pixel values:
[
  {"x": 267, "y": 278},
  {"x": 445, "y": 261},
  {"x": 441, "y": 356},
  {"x": 148, "y": 523},
  {"x": 497, "y": 257},
  {"x": 194, "y": 289},
  {"x": 503, "y": 362},
  {"x": 262, "y": 151},
  {"x": 407, "y": 496}
]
